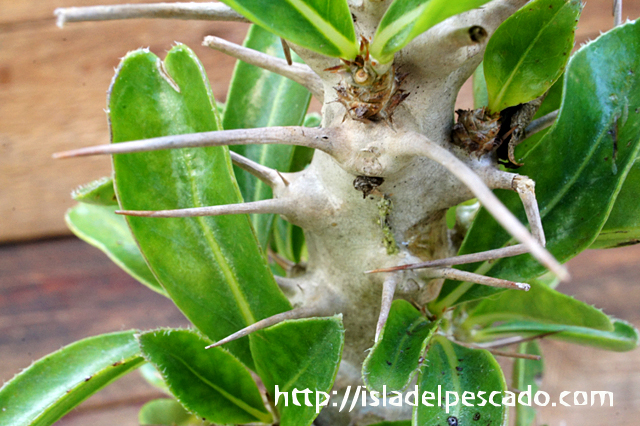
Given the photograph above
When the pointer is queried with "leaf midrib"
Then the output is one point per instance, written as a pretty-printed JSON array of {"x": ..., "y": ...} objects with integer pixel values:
[{"x": 506, "y": 85}]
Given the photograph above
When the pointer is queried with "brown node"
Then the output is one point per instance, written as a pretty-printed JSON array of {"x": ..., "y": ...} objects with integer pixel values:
[
  {"x": 476, "y": 131},
  {"x": 367, "y": 184},
  {"x": 367, "y": 95}
]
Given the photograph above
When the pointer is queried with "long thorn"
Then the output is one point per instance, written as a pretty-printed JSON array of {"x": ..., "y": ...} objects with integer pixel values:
[
  {"x": 188, "y": 11},
  {"x": 459, "y": 260},
  {"x": 273, "y": 206},
  {"x": 507, "y": 341},
  {"x": 303, "y": 136},
  {"x": 299, "y": 73},
  {"x": 540, "y": 124},
  {"x": 525, "y": 188},
  {"x": 266, "y": 174},
  {"x": 464, "y": 276},
  {"x": 388, "y": 290},
  {"x": 297, "y": 313},
  {"x": 509, "y": 222},
  {"x": 617, "y": 12}
]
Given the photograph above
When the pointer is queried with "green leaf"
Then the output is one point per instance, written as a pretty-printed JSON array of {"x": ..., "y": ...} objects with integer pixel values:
[
  {"x": 259, "y": 98},
  {"x": 480, "y": 94},
  {"x": 624, "y": 336},
  {"x": 623, "y": 224},
  {"x": 301, "y": 354},
  {"x": 541, "y": 303},
  {"x": 463, "y": 372},
  {"x": 212, "y": 267},
  {"x": 398, "y": 423},
  {"x": 395, "y": 357},
  {"x": 527, "y": 375},
  {"x": 102, "y": 228},
  {"x": 211, "y": 383},
  {"x": 529, "y": 51},
  {"x": 407, "y": 19},
  {"x": 577, "y": 178},
  {"x": 52, "y": 386},
  {"x": 166, "y": 411},
  {"x": 324, "y": 26},
  {"x": 99, "y": 192}
]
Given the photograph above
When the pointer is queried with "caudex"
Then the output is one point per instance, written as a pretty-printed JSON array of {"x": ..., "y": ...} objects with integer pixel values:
[{"x": 389, "y": 161}]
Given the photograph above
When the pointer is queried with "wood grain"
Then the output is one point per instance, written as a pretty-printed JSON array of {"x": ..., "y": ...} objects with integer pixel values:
[{"x": 52, "y": 96}]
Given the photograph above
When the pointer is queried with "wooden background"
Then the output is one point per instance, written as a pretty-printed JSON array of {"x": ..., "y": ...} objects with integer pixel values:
[{"x": 52, "y": 94}]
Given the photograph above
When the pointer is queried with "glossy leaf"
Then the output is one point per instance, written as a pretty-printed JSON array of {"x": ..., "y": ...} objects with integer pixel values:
[
  {"x": 623, "y": 224},
  {"x": 407, "y": 19},
  {"x": 541, "y": 303},
  {"x": 529, "y": 51},
  {"x": 99, "y": 192},
  {"x": 577, "y": 179},
  {"x": 54, "y": 385},
  {"x": 166, "y": 411},
  {"x": 302, "y": 354},
  {"x": 624, "y": 336},
  {"x": 324, "y": 26},
  {"x": 102, "y": 228},
  {"x": 209, "y": 382},
  {"x": 466, "y": 372},
  {"x": 395, "y": 358},
  {"x": 211, "y": 267},
  {"x": 259, "y": 98},
  {"x": 526, "y": 377}
]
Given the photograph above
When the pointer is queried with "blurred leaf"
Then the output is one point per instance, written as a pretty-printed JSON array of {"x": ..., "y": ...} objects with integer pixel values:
[
  {"x": 407, "y": 19},
  {"x": 398, "y": 423},
  {"x": 529, "y": 51},
  {"x": 212, "y": 267},
  {"x": 169, "y": 412},
  {"x": 395, "y": 357},
  {"x": 211, "y": 383},
  {"x": 319, "y": 25},
  {"x": 99, "y": 192},
  {"x": 527, "y": 375},
  {"x": 464, "y": 373},
  {"x": 541, "y": 303},
  {"x": 54, "y": 385},
  {"x": 259, "y": 98},
  {"x": 154, "y": 378},
  {"x": 480, "y": 94},
  {"x": 624, "y": 336},
  {"x": 102, "y": 228},
  {"x": 301, "y": 354},
  {"x": 623, "y": 224},
  {"x": 577, "y": 178}
]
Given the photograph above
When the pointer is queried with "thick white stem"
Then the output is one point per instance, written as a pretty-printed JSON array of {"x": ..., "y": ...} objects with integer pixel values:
[
  {"x": 299, "y": 73},
  {"x": 188, "y": 11}
]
